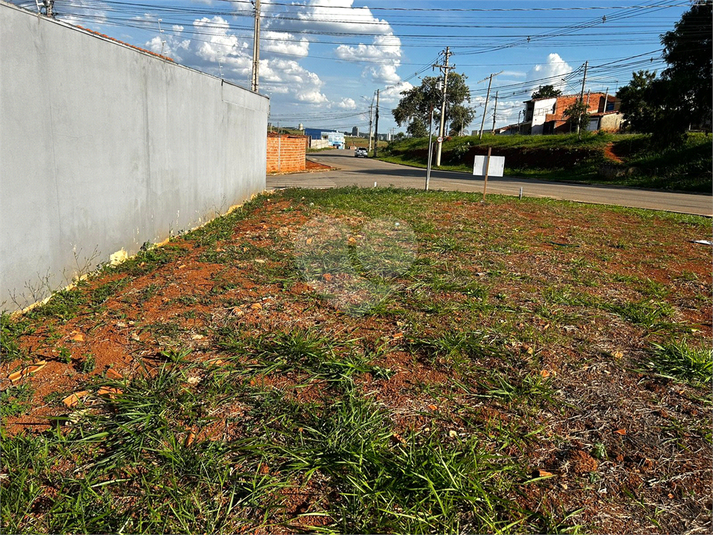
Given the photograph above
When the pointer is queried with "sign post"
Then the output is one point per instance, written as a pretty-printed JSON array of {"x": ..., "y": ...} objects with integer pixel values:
[{"x": 487, "y": 168}]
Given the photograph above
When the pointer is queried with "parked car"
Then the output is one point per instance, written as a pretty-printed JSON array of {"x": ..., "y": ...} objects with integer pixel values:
[{"x": 361, "y": 153}]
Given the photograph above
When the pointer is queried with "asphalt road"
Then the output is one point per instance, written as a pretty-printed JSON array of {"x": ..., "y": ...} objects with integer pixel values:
[{"x": 366, "y": 172}]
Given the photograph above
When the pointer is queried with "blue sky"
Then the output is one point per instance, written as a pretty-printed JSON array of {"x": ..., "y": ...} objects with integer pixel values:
[{"x": 323, "y": 60}]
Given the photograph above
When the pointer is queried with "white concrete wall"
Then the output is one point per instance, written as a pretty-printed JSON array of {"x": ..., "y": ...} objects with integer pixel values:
[
  {"x": 541, "y": 109},
  {"x": 103, "y": 148}
]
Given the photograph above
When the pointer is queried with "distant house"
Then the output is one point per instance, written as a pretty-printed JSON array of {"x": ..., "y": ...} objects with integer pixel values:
[
  {"x": 546, "y": 115},
  {"x": 508, "y": 130}
]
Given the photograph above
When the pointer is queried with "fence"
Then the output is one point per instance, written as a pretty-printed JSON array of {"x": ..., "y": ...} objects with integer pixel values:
[{"x": 104, "y": 147}]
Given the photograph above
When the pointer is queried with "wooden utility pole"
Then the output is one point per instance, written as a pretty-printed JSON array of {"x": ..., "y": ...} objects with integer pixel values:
[
  {"x": 256, "y": 49},
  {"x": 444, "y": 69},
  {"x": 487, "y": 170},
  {"x": 487, "y": 97},
  {"x": 376, "y": 127},
  {"x": 495, "y": 110},
  {"x": 581, "y": 96}
]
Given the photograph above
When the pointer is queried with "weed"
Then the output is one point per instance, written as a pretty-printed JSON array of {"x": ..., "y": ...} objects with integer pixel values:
[
  {"x": 63, "y": 304},
  {"x": 87, "y": 364},
  {"x": 599, "y": 451},
  {"x": 10, "y": 332},
  {"x": 14, "y": 400},
  {"x": 680, "y": 361},
  {"x": 65, "y": 355},
  {"x": 646, "y": 313},
  {"x": 106, "y": 290},
  {"x": 176, "y": 356},
  {"x": 148, "y": 259}
]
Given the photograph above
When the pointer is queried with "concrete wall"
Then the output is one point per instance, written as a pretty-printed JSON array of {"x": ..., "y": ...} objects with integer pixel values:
[
  {"x": 104, "y": 148},
  {"x": 541, "y": 109},
  {"x": 286, "y": 154}
]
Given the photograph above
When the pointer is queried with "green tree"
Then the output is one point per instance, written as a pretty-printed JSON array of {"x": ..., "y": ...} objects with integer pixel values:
[
  {"x": 687, "y": 50},
  {"x": 546, "y": 91},
  {"x": 681, "y": 97},
  {"x": 460, "y": 117},
  {"x": 638, "y": 102},
  {"x": 414, "y": 108},
  {"x": 577, "y": 115}
]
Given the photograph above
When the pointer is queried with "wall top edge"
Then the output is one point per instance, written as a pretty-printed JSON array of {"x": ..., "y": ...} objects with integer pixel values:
[{"x": 127, "y": 46}]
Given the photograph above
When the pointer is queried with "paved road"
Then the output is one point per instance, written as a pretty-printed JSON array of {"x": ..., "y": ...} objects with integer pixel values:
[{"x": 365, "y": 172}]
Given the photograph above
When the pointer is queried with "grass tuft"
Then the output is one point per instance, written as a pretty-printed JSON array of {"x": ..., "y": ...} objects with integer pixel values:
[{"x": 681, "y": 362}]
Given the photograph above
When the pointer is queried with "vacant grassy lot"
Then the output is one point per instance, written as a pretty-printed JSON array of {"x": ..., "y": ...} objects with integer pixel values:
[{"x": 371, "y": 361}]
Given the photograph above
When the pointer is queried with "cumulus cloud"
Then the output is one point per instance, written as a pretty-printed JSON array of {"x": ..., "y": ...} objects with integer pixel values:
[
  {"x": 392, "y": 94},
  {"x": 347, "y": 104},
  {"x": 304, "y": 85},
  {"x": 170, "y": 46},
  {"x": 284, "y": 44},
  {"x": 549, "y": 73},
  {"x": 384, "y": 47}
]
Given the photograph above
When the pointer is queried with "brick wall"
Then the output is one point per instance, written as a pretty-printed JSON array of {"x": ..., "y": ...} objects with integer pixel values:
[{"x": 286, "y": 154}]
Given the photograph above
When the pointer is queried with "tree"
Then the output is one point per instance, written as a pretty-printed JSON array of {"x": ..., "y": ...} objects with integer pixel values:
[
  {"x": 460, "y": 117},
  {"x": 577, "y": 115},
  {"x": 687, "y": 50},
  {"x": 681, "y": 97},
  {"x": 414, "y": 108},
  {"x": 638, "y": 102},
  {"x": 546, "y": 91}
]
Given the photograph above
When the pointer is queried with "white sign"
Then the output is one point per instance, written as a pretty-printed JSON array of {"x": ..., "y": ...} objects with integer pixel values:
[
  {"x": 440, "y": 140},
  {"x": 497, "y": 165}
]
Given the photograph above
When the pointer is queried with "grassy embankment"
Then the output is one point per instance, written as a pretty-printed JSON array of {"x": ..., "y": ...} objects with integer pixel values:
[
  {"x": 626, "y": 160},
  {"x": 373, "y": 361}
]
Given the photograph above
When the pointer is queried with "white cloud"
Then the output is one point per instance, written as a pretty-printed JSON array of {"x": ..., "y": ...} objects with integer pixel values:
[
  {"x": 551, "y": 73},
  {"x": 284, "y": 44},
  {"x": 384, "y": 47},
  {"x": 385, "y": 74},
  {"x": 304, "y": 85},
  {"x": 392, "y": 94},
  {"x": 312, "y": 96},
  {"x": 347, "y": 104},
  {"x": 82, "y": 11}
]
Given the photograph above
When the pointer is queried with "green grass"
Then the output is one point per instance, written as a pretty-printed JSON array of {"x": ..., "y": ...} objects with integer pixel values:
[
  {"x": 682, "y": 362},
  {"x": 14, "y": 400},
  {"x": 11, "y": 329},
  {"x": 427, "y": 411},
  {"x": 140, "y": 473},
  {"x": 644, "y": 164}
]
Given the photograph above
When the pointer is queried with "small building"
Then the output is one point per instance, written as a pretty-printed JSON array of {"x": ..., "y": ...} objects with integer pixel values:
[
  {"x": 355, "y": 131},
  {"x": 546, "y": 115},
  {"x": 334, "y": 139}
]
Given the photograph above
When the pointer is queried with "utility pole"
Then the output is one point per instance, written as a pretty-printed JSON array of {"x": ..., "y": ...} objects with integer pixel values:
[
  {"x": 581, "y": 95},
  {"x": 163, "y": 41},
  {"x": 256, "y": 49},
  {"x": 495, "y": 110},
  {"x": 444, "y": 69},
  {"x": 487, "y": 97},
  {"x": 519, "y": 128},
  {"x": 430, "y": 149},
  {"x": 376, "y": 126},
  {"x": 371, "y": 111}
]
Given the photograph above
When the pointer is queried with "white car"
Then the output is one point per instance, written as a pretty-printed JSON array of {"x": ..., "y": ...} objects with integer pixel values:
[{"x": 361, "y": 153}]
